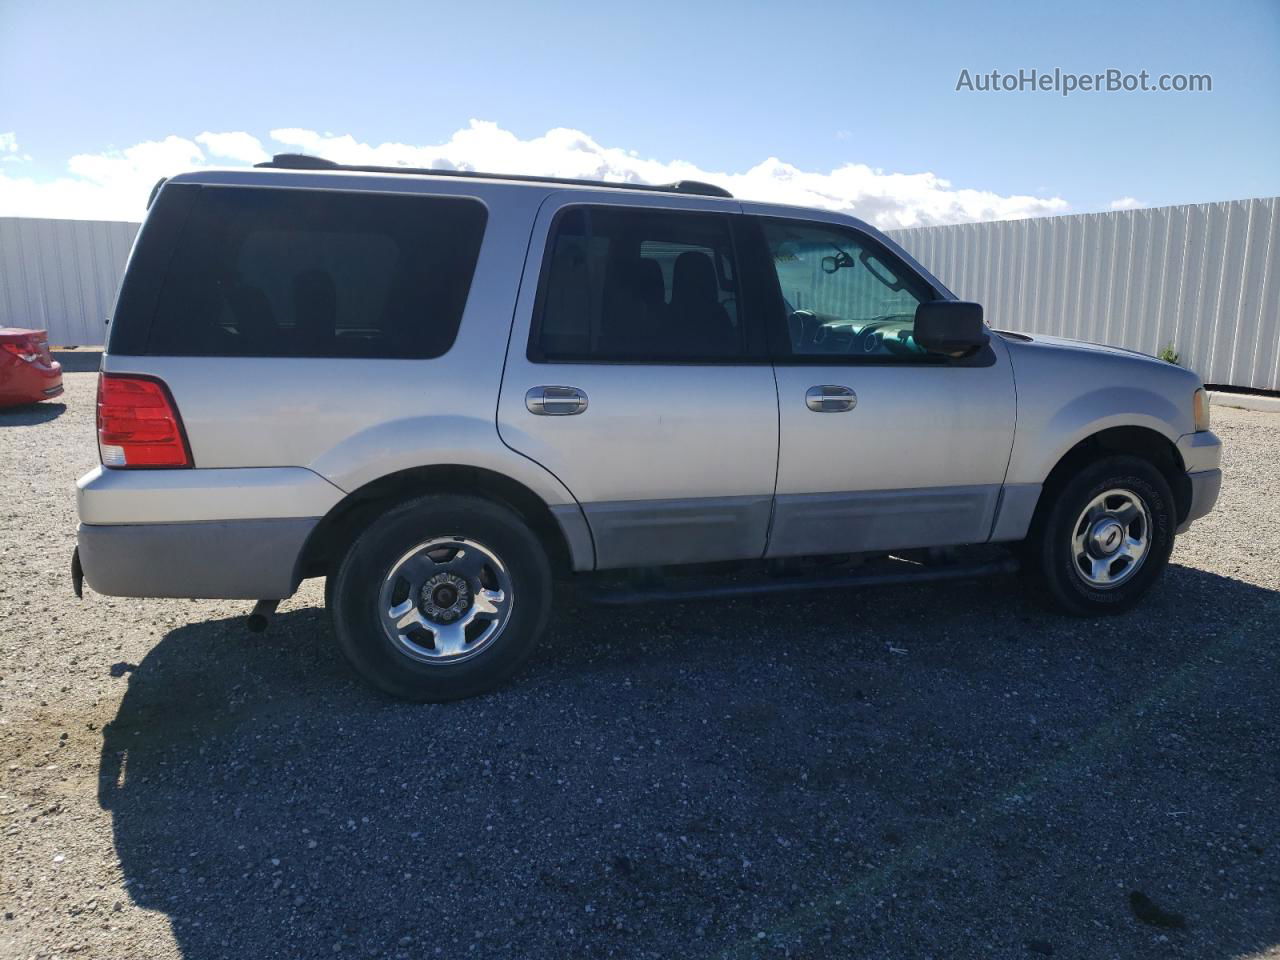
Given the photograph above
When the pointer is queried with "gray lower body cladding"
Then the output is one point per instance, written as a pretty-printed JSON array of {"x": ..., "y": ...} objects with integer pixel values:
[
  {"x": 258, "y": 559},
  {"x": 215, "y": 559},
  {"x": 818, "y": 523},
  {"x": 577, "y": 536},
  {"x": 667, "y": 532},
  {"x": 640, "y": 533}
]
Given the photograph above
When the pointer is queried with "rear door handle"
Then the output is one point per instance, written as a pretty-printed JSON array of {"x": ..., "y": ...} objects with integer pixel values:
[
  {"x": 830, "y": 398},
  {"x": 555, "y": 401}
]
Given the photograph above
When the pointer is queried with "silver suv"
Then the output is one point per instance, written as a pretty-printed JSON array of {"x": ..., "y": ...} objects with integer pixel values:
[{"x": 442, "y": 391}]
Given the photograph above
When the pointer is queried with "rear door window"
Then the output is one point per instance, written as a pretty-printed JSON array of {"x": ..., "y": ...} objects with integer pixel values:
[
  {"x": 269, "y": 272},
  {"x": 639, "y": 285}
]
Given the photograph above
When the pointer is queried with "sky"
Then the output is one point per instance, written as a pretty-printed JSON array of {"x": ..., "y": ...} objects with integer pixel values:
[{"x": 845, "y": 105}]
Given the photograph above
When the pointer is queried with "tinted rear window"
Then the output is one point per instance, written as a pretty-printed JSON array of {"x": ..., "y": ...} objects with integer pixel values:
[
  {"x": 303, "y": 273},
  {"x": 639, "y": 285}
]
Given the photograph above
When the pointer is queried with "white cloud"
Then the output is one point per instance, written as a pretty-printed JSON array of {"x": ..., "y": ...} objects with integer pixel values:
[
  {"x": 886, "y": 199},
  {"x": 239, "y": 146},
  {"x": 101, "y": 186},
  {"x": 9, "y": 149},
  {"x": 115, "y": 184},
  {"x": 1126, "y": 203}
]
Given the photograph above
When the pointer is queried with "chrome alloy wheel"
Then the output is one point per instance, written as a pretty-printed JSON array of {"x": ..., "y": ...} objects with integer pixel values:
[
  {"x": 1111, "y": 538},
  {"x": 445, "y": 600}
]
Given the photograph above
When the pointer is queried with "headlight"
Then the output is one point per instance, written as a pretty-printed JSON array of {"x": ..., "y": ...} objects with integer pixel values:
[{"x": 1200, "y": 405}]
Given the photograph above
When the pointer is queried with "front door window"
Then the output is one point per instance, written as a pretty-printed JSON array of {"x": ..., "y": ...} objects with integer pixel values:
[{"x": 842, "y": 296}]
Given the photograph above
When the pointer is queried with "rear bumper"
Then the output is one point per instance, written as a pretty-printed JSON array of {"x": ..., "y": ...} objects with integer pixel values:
[
  {"x": 22, "y": 382},
  {"x": 105, "y": 496},
  {"x": 216, "y": 534},
  {"x": 1205, "y": 486},
  {"x": 212, "y": 559}
]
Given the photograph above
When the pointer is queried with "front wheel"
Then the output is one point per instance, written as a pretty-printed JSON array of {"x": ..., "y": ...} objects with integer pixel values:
[
  {"x": 441, "y": 598},
  {"x": 1106, "y": 537}
]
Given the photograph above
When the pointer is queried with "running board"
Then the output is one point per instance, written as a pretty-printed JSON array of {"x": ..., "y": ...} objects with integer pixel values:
[{"x": 707, "y": 589}]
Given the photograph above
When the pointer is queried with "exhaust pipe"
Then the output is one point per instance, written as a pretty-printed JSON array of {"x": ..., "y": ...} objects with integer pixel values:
[{"x": 261, "y": 615}]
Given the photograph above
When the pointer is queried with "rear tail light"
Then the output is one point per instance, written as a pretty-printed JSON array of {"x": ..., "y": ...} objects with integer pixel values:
[
  {"x": 138, "y": 423},
  {"x": 25, "y": 349}
]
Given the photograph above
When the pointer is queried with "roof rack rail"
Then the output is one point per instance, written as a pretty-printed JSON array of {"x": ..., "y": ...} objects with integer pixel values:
[{"x": 303, "y": 161}]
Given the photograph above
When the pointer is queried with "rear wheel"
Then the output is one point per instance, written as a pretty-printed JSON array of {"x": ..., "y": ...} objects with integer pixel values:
[
  {"x": 441, "y": 598},
  {"x": 1106, "y": 537}
]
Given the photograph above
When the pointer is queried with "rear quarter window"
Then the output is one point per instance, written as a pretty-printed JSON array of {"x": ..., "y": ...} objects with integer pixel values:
[{"x": 272, "y": 272}]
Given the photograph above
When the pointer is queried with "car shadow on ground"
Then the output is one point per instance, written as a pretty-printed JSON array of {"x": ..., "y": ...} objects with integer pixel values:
[
  {"x": 31, "y": 414},
  {"x": 888, "y": 773}
]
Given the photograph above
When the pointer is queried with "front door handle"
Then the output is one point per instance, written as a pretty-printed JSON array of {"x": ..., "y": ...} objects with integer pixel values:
[
  {"x": 555, "y": 401},
  {"x": 830, "y": 398}
]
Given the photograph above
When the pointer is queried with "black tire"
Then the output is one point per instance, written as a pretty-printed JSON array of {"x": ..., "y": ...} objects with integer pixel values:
[
  {"x": 355, "y": 591},
  {"x": 1052, "y": 559}
]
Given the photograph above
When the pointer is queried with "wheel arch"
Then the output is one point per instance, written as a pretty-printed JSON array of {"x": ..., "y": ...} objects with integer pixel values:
[
  {"x": 1135, "y": 441},
  {"x": 562, "y": 531}
]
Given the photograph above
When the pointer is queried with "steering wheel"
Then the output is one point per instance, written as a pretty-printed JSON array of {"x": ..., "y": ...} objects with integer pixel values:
[
  {"x": 804, "y": 326},
  {"x": 871, "y": 336}
]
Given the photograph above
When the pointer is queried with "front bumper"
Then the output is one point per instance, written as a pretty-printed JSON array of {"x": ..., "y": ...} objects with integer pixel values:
[
  {"x": 1200, "y": 451},
  {"x": 1205, "y": 486},
  {"x": 1201, "y": 454}
]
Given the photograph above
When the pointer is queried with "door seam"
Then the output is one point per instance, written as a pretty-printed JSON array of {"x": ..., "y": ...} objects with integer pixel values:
[
  {"x": 502, "y": 380},
  {"x": 777, "y": 462},
  {"x": 1013, "y": 440}
]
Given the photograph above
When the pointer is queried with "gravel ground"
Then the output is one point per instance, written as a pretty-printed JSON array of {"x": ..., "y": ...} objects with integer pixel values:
[{"x": 941, "y": 771}]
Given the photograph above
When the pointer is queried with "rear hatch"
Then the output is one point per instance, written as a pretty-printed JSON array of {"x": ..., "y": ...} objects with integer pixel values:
[{"x": 283, "y": 321}]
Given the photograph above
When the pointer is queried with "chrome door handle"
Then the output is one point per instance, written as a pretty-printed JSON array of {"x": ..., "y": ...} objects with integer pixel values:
[
  {"x": 830, "y": 398},
  {"x": 555, "y": 401}
]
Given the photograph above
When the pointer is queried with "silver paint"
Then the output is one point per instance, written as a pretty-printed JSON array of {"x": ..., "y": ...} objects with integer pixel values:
[
  {"x": 655, "y": 438},
  {"x": 665, "y": 463}
]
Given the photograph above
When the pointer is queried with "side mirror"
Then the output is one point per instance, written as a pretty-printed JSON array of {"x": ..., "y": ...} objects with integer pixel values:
[{"x": 952, "y": 328}]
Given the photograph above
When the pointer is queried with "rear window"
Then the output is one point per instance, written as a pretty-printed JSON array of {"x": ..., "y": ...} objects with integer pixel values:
[{"x": 267, "y": 272}]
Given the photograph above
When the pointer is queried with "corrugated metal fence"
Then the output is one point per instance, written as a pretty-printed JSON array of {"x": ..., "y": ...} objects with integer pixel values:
[
  {"x": 61, "y": 275},
  {"x": 1203, "y": 279}
]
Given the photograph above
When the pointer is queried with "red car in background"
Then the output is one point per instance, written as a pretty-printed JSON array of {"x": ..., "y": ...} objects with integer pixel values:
[{"x": 28, "y": 372}]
